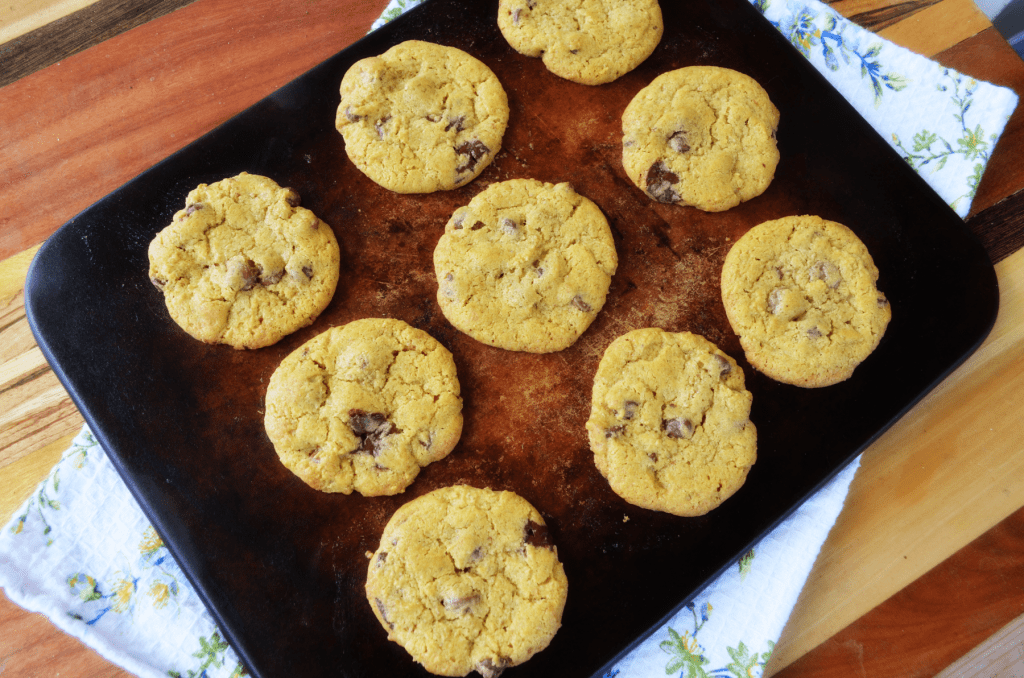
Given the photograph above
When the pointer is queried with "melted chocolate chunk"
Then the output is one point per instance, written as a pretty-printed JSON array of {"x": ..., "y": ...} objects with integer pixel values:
[
  {"x": 308, "y": 270},
  {"x": 614, "y": 431},
  {"x": 380, "y": 125},
  {"x": 158, "y": 283},
  {"x": 677, "y": 142},
  {"x": 630, "y": 409},
  {"x": 464, "y": 604},
  {"x": 679, "y": 429},
  {"x": 272, "y": 278},
  {"x": 189, "y": 209},
  {"x": 537, "y": 535},
  {"x": 509, "y": 226},
  {"x": 370, "y": 428},
  {"x": 250, "y": 275},
  {"x": 477, "y": 226},
  {"x": 381, "y": 557},
  {"x": 455, "y": 123},
  {"x": 515, "y": 16},
  {"x": 578, "y": 302},
  {"x": 724, "y": 367},
  {"x": 383, "y": 613},
  {"x": 492, "y": 668},
  {"x": 352, "y": 117},
  {"x": 660, "y": 182},
  {"x": 475, "y": 150},
  {"x": 292, "y": 198},
  {"x": 827, "y": 271}
]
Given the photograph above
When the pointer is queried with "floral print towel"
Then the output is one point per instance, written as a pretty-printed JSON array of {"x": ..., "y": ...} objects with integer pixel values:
[{"x": 81, "y": 552}]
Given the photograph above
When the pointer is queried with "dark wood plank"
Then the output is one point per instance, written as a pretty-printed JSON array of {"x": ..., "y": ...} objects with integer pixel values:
[
  {"x": 78, "y": 31},
  {"x": 934, "y": 621},
  {"x": 1001, "y": 227},
  {"x": 883, "y": 17}
]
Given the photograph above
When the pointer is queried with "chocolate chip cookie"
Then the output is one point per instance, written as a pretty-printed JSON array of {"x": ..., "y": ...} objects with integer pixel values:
[
  {"x": 590, "y": 42},
  {"x": 670, "y": 422},
  {"x": 701, "y": 136},
  {"x": 243, "y": 264},
  {"x": 801, "y": 292},
  {"x": 525, "y": 266},
  {"x": 364, "y": 406},
  {"x": 421, "y": 117},
  {"x": 467, "y": 579}
]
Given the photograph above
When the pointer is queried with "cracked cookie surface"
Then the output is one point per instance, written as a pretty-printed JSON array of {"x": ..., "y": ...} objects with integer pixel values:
[
  {"x": 525, "y": 266},
  {"x": 801, "y": 292},
  {"x": 467, "y": 579},
  {"x": 590, "y": 42},
  {"x": 421, "y": 117},
  {"x": 364, "y": 406},
  {"x": 702, "y": 136},
  {"x": 243, "y": 264},
  {"x": 670, "y": 422}
]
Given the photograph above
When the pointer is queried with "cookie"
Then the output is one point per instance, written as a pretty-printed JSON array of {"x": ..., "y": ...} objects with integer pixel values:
[
  {"x": 364, "y": 406},
  {"x": 421, "y": 117},
  {"x": 525, "y": 266},
  {"x": 467, "y": 579},
  {"x": 243, "y": 264},
  {"x": 590, "y": 43},
  {"x": 670, "y": 422},
  {"x": 801, "y": 294},
  {"x": 701, "y": 136}
]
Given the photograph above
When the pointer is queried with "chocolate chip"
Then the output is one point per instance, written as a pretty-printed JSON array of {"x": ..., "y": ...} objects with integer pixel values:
[
  {"x": 653, "y": 456},
  {"x": 456, "y": 123},
  {"x": 778, "y": 272},
  {"x": 383, "y": 613},
  {"x": 380, "y": 125},
  {"x": 660, "y": 183},
  {"x": 531, "y": 4},
  {"x": 477, "y": 226},
  {"x": 433, "y": 118},
  {"x": 271, "y": 279},
  {"x": 308, "y": 270},
  {"x": 515, "y": 16},
  {"x": 827, "y": 271},
  {"x": 463, "y": 604},
  {"x": 678, "y": 143},
  {"x": 574, "y": 51},
  {"x": 158, "y": 283},
  {"x": 475, "y": 150},
  {"x": 775, "y": 300},
  {"x": 509, "y": 226},
  {"x": 492, "y": 668},
  {"x": 578, "y": 302},
  {"x": 450, "y": 277},
  {"x": 537, "y": 535},
  {"x": 678, "y": 429},
  {"x": 457, "y": 221},
  {"x": 352, "y": 117},
  {"x": 614, "y": 431},
  {"x": 724, "y": 367},
  {"x": 630, "y": 409},
  {"x": 189, "y": 209},
  {"x": 249, "y": 273},
  {"x": 381, "y": 557},
  {"x": 292, "y": 198},
  {"x": 882, "y": 302},
  {"x": 814, "y": 333},
  {"x": 370, "y": 428}
]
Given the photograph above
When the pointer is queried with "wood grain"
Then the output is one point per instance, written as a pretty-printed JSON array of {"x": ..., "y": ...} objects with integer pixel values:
[
  {"x": 70, "y": 34},
  {"x": 25, "y": 16},
  {"x": 934, "y": 28},
  {"x": 938, "y": 618}
]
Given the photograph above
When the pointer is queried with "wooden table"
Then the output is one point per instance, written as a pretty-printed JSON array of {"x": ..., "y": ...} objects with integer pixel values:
[{"x": 926, "y": 561}]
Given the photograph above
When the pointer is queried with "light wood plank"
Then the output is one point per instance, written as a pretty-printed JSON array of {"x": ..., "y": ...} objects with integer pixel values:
[
  {"x": 939, "y": 27},
  {"x": 19, "y": 17},
  {"x": 953, "y": 466}
]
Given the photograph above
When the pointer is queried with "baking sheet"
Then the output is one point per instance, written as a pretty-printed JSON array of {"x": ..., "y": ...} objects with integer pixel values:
[{"x": 281, "y": 566}]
